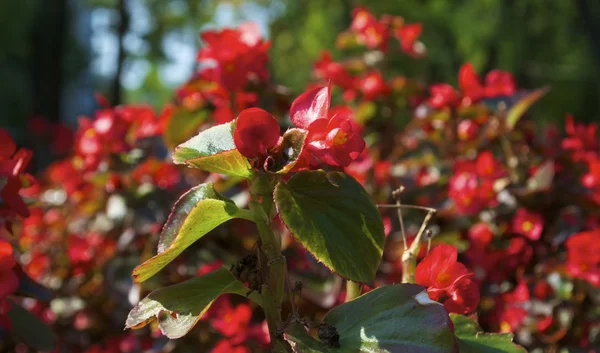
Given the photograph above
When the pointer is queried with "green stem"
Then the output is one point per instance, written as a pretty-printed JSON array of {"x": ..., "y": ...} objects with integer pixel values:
[
  {"x": 353, "y": 290},
  {"x": 409, "y": 257},
  {"x": 273, "y": 292}
]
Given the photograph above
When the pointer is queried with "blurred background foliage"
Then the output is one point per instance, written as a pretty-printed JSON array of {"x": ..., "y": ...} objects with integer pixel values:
[{"x": 55, "y": 55}]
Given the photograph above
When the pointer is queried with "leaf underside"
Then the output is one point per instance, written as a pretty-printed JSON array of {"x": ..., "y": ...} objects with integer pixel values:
[{"x": 179, "y": 307}]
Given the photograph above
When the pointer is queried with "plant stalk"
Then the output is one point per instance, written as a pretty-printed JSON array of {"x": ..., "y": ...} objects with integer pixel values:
[
  {"x": 353, "y": 290},
  {"x": 272, "y": 293}
]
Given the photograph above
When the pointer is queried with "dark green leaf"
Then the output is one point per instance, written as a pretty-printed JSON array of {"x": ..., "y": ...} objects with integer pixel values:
[
  {"x": 179, "y": 307},
  {"x": 472, "y": 339},
  {"x": 390, "y": 319},
  {"x": 334, "y": 218},
  {"x": 213, "y": 150},
  {"x": 182, "y": 125},
  {"x": 196, "y": 213},
  {"x": 31, "y": 330}
]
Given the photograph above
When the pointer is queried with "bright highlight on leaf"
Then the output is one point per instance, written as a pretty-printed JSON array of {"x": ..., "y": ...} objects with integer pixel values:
[
  {"x": 334, "y": 218},
  {"x": 196, "y": 213},
  {"x": 213, "y": 150}
]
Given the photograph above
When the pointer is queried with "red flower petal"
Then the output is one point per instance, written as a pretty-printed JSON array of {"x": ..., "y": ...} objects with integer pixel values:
[
  {"x": 310, "y": 106},
  {"x": 7, "y": 144},
  {"x": 255, "y": 131}
]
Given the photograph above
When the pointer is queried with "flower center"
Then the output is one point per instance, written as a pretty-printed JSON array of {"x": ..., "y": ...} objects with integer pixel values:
[
  {"x": 340, "y": 138},
  {"x": 527, "y": 226}
]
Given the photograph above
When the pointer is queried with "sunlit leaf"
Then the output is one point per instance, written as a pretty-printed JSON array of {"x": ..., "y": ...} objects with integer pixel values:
[
  {"x": 391, "y": 319},
  {"x": 516, "y": 112},
  {"x": 196, "y": 213},
  {"x": 335, "y": 219},
  {"x": 213, "y": 150}
]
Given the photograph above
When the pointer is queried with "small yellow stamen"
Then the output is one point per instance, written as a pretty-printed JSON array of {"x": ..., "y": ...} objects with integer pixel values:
[
  {"x": 527, "y": 226},
  {"x": 340, "y": 138}
]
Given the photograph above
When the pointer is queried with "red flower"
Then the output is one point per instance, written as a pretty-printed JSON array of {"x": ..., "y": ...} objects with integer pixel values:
[
  {"x": 9, "y": 282},
  {"x": 12, "y": 164},
  {"x": 447, "y": 280},
  {"x": 497, "y": 83},
  {"x": 372, "y": 85},
  {"x": 470, "y": 83},
  {"x": 408, "y": 35},
  {"x": 467, "y": 130},
  {"x": 162, "y": 174},
  {"x": 369, "y": 31},
  {"x": 255, "y": 131},
  {"x": 442, "y": 95},
  {"x": 237, "y": 54},
  {"x": 528, "y": 223},
  {"x": 583, "y": 256},
  {"x": 224, "y": 346},
  {"x": 480, "y": 235},
  {"x": 333, "y": 136},
  {"x": 233, "y": 322}
]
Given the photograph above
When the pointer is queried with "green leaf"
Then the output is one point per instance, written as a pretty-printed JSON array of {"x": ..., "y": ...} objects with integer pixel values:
[
  {"x": 517, "y": 111},
  {"x": 196, "y": 213},
  {"x": 334, "y": 218},
  {"x": 179, "y": 307},
  {"x": 283, "y": 160},
  {"x": 389, "y": 319},
  {"x": 472, "y": 339},
  {"x": 213, "y": 150},
  {"x": 182, "y": 125},
  {"x": 31, "y": 330}
]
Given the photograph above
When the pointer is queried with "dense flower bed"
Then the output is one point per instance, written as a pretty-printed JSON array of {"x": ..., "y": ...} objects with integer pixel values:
[{"x": 512, "y": 209}]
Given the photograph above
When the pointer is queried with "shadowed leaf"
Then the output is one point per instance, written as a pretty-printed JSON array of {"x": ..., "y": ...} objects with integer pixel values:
[
  {"x": 390, "y": 319},
  {"x": 179, "y": 307},
  {"x": 472, "y": 339},
  {"x": 30, "y": 329},
  {"x": 334, "y": 218}
]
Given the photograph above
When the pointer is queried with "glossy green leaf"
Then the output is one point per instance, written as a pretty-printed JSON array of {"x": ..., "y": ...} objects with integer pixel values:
[
  {"x": 392, "y": 319},
  {"x": 213, "y": 150},
  {"x": 182, "y": 125},
  {"x": 517, "y": 111},
  {"x": 196, "y": 213},
  {"x": 179, "y": 307},
  {"x": 30, "y": 329},
  {"x": 283, "y": 160},
  {"x": 472, "y": 339},
  {"x": 334, "y": 218}
]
